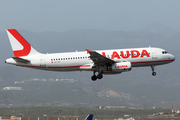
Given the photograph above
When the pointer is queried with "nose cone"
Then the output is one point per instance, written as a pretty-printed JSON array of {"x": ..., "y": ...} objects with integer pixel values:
[{"x": 172, "y": 57}]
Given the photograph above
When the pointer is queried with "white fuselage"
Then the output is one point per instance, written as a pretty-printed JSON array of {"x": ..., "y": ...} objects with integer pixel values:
[{"x": 79, "y": 61}]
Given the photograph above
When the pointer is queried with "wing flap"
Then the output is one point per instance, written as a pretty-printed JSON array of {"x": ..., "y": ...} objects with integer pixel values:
[{"x": 99, "y": 59}]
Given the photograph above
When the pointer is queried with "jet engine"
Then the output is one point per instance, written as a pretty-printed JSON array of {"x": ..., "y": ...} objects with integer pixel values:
[{"x": 121, "y": 67}]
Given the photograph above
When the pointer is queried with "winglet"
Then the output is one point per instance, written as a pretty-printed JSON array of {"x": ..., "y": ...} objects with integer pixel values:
[
  {"x": 89, "y": 117},
  {"x": 88, "y": 51}
]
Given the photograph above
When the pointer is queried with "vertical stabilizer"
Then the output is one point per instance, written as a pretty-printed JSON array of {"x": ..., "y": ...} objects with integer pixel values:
[
  {"x": 89, "y": 117},
  {"x": 19, "y": 45}
]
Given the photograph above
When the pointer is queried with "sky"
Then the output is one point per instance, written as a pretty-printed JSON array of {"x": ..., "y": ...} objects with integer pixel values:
[{"x": 63, "y": 15}]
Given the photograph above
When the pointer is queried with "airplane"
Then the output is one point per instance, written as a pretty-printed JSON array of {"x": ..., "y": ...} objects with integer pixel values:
[
  {"x": 108, "y": 62},
  {"x": 89, "y": 117}
]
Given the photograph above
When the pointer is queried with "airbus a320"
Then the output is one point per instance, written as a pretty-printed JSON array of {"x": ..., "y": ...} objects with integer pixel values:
[{"x": 114, "y": 61}]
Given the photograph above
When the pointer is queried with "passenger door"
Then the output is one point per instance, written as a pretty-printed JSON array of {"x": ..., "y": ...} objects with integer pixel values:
[
  {"x": 154, "y": 53},
  {"x": 42, "y": 61}
]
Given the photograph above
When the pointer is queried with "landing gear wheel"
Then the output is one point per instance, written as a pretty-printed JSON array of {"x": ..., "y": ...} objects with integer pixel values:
[
  {"x": 94, "y": 78},
  {"x": 100, "y": 76},
  {"x": 154, "y": 73}
]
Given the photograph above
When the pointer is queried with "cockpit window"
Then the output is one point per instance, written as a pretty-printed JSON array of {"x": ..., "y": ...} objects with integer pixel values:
[{"x": 164, "y": 52}]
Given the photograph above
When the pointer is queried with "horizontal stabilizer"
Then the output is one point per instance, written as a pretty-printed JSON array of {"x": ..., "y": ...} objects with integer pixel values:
[{"x": 21, "y": 60}]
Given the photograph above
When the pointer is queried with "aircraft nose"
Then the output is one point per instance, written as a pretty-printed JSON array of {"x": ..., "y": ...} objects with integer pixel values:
[{"x": 172, "y": 57}]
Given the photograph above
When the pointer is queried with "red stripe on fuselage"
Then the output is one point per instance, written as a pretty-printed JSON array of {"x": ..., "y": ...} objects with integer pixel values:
[
  {"x": 152, "y": 61},
  {"x": 71, "y": 66},
  {"x": 54, "y": 67},
  {"x": 31, "y": 66},
  {"x": 89, "y": 65}
]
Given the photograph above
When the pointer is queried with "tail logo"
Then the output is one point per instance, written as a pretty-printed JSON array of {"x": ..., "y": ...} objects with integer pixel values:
[
  {"x": 26, "y": 46},
  {"x": 89, "y": 117}
]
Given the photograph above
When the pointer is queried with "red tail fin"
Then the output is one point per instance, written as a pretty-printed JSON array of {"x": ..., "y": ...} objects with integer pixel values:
[{"x": 19, "y": 45}]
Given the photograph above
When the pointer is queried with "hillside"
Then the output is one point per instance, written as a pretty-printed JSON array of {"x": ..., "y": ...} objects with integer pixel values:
[
  {"x": 134, "y": 89},
  {"x": 137, "y": 88}
]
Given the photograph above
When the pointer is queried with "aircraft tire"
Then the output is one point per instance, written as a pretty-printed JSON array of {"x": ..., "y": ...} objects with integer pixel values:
[
  {"x": 100, "y": 76},
  {"x": 94, "y": 78},
  {"x": 154, "y": 73}
]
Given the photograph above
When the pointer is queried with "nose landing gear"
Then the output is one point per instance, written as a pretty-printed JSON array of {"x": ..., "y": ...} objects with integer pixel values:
[{"x": 153, "y": 73}]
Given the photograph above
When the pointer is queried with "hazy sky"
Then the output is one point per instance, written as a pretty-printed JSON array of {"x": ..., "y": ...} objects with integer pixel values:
[{"x": 62, "y": 15}]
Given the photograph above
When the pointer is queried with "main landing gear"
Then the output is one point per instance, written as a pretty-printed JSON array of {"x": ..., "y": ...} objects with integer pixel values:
[
  {"x": 153, "y": 73},
  {"x": 95, "y": 77}
]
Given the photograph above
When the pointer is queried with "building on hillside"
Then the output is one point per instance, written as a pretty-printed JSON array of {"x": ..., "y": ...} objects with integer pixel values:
[
  {"x": 12, "y": 88},
  {"x": 110, "y": 107},
  {"x": 15, "y": 118},
  {"x": 3, "y": 119}
]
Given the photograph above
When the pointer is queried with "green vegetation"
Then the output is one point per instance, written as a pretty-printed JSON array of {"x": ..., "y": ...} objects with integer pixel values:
[
  {"x": 122, "y": 90},
  {"x": 76, "y": 112}
]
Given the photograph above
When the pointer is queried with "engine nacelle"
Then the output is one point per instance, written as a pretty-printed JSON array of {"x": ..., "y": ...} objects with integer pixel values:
[{"x": 121, "y": 67}]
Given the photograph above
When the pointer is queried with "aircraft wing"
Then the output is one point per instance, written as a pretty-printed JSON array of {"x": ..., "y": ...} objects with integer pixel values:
[{"x": 99, "y": 59}]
